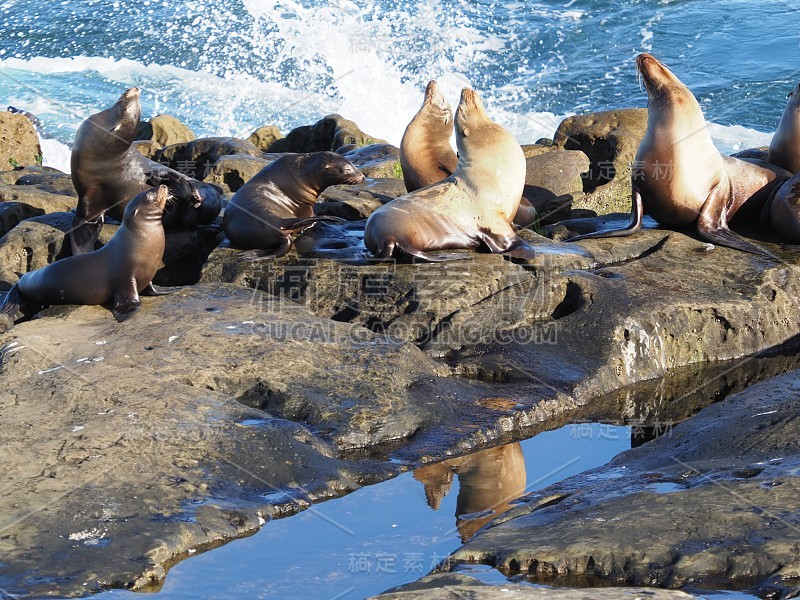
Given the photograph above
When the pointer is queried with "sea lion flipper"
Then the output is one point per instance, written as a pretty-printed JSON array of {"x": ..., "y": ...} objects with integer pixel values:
[
  {"x": 634, "y": 225},
  {"x": 267, "y": 253},
  {"x": 299, "y": 224},
  {"x": 84, "y": 234},
  {"x": 713, "y": 227},
  {"x": 723, "y": 236},
  {"x": 12, "y": 304},
  {"x": 152, "y": 290},
  {"x": 126, "y": 302},
  {"x": 125, "y": 306}
]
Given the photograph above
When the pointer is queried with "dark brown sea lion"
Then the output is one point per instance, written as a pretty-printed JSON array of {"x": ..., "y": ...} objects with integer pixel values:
[
  {"x": 680, "y": 178},
  {"x": 784, "y": 150},
  {"x": 108, "y": 172},
  {"x": 470, "y": 209},
  {"x": 279, "y": 202},
  {"x": 120, "y": 270},
  {"x": 426, "y": 155}
]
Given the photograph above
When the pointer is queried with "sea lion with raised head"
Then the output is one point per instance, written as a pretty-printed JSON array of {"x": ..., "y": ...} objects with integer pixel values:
[
  {"x": 425, "y": 152},
  {"x": 118, "y": 271},
  {"x": 784, "y": 150},
  {"x": 470, "y": 209},
  {"x": 278, "y": 202},
  {"x": 108, "y": 172},
  {"x": 680, "y": 178}
]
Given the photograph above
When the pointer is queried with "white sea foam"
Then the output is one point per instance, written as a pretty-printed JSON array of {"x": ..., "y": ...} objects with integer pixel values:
[
  {"x": 732, "y": 138},
  {"x": 55, "y": 154}
]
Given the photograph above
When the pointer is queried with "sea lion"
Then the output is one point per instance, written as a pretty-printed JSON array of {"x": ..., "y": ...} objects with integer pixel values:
[
  {"x": 425, "y": 152},
  {"x": 108, "y": 172},
  {"x": 784, "y": 150},
  {"x": 471, "y": 208},
  {"x": 120, "y": 270},
  {"x": 680, "y": 177},
  {"x": 279, "y": 201}
]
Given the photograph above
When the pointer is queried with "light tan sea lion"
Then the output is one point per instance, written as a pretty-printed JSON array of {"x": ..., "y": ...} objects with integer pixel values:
[
  {"x": 118, "y": 271},
  {"x": 279, "y": 202},
  {"x": 426, "y": 155},
  {"x": 680, "y": 178},
  {"x": 470, "y": 209},
  {"x": 784, "y": 150},
  {"x": 425, "y": 152}
]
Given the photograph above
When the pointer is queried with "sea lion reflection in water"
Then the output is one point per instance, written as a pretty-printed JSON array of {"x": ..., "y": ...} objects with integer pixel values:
[{"x": 489, "y": 481}]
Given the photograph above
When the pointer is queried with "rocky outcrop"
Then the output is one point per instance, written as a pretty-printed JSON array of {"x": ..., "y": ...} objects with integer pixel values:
[
  {"x": 553, "y": 181},
  {"x": 355, "y": 202},
  {"x": 727, "y": 479},
  {"x": 610, "y": 139},
  {"x": 19, "y": 142},
  {"x": 196, "y": 158},
  {"x": 329, "y": 133},
  {"x": 376, "y": 160},
  {"x": 263, "y": 137},
  {"x": 164, "y": 130}
]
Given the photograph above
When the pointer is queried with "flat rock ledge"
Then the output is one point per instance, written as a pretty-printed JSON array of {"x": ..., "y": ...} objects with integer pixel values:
[
  {"x": 446, "y": 586},
  {"x": 714, "y": 503}
]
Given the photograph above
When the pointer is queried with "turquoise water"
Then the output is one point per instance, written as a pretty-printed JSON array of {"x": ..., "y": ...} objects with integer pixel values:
[
  {"x": 227, "y": 67},
  {"x": 386, "y": 534}
]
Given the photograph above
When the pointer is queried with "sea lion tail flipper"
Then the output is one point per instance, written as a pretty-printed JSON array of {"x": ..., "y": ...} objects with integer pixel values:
[
  {"x": 299, "y": 224},
  {"x": 126, "y": 303},
  {"x": 84, "y": 234},
  {"x": 635, "y": 224},
  {"x": 268, "y": 253},
  {"x": 152, "y": 290}
]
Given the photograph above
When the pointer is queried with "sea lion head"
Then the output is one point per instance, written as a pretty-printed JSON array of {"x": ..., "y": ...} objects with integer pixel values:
[
  {"x": 659, "y": 81},
  {"x": 328, "y": 168},
  {"x": 475, "y": 131},
  {"x": 147, "y": 207},
  {"x": 436, "y": 108},
  {"x": 117, "y": 126}
]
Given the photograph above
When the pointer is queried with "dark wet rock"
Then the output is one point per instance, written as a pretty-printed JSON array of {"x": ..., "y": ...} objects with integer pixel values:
[
  {"x": 148, "y": 148},
  {"x": 610, "y": 139},
  {"x": 196, "y": 158},
  {"x": 232, "y": 171},
  {"x": 329, "y": 133},
  {"x": 446, "y": 586},
  {"x": 33, "y": 244},
  {"x": 19, "y": 142},
  {"x": 761, "y": 153},
  {"x": 164, "y": 130},
  {"x": 356, "y": 202},
  {"x": 189, "y": 425},
  {"x": 376, "y": 160},
  {"x": 32, "y": 192},
  {"x": 726, "y": 480},
  {"x": 36, "y": 242},
  {"x": 263, "y": 137},
  {"x": 46, "y": 179},
  {"x": 553, "y": 181}
]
